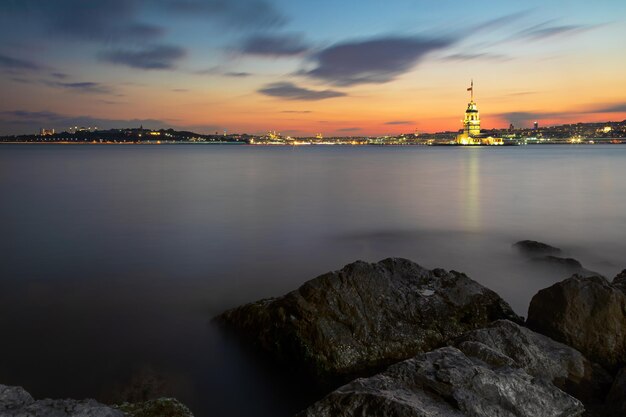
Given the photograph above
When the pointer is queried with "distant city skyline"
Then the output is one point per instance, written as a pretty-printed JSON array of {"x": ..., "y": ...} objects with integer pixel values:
[{"x": 340, "y": 68}]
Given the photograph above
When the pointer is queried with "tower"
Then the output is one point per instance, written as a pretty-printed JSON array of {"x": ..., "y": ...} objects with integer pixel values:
[{"x": 471, "y": 123}]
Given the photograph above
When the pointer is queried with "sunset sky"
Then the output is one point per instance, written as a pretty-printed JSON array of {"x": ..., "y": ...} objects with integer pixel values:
[{"x": 350, "y": 67}]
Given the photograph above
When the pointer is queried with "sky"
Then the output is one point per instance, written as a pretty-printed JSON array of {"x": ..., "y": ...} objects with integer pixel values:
[{"x": 349, "y": 67}]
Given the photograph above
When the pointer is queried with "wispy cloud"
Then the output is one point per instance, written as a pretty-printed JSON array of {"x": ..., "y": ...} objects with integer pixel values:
[
  {"x": 240, "y": 14},
  {"x": 290, "y": 91},
  {"x": 237, "y": 74},
  {"x": 274, "y": 45},
  {"x": 81, "y": 87},
  {"x": 296, "y": 111},
  {"x": 159, "y": 57},
  {"x": 476, "y": 56},
  {"x": 11, "y": 63},
  {"x": 399, "y": 122}
]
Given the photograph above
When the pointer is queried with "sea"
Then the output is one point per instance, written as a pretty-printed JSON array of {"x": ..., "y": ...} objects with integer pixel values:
[{"x": 114, "y": 258}]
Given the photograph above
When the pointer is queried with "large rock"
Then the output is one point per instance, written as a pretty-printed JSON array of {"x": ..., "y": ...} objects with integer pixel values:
[
  {"x": 16, "y": 402},
  {"x": 539, "y": 356},
  {"x": 534, "y": 248},
  {"x": 543, "y": 254},
  {"x": 586, "y": 313},
  {"x": 447, "y": 383},
  {"x": 368, "y": 315}
]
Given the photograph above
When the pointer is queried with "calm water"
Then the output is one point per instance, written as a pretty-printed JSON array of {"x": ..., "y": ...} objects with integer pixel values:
[{"x": 114, "y": 258}]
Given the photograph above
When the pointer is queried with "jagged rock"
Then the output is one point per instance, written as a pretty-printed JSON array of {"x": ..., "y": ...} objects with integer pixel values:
[
  {"x": 534, "y": 248},
  {"x": 16, "y": 402},
  {"x": 616, "y": 400},
  {"x": 368, "y": 315},
  {"x": 14, "y": 397},
  {"x": 586, "y": 313},
  {"x": 620, "y": 281},
  {"x": 539, "y": 356},
  {"x": 447, "y": 383},
  {"x": 161, "y": 407}
]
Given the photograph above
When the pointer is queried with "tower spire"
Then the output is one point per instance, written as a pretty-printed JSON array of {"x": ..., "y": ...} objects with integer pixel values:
[{"x": 471, "y": 88}]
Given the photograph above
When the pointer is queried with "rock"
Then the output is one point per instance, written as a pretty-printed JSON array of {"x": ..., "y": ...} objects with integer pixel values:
[
  {"x": 447, "y": 383},
  {"x": 616, "y": 400},
  {"x": 14, "y": 397},
  {"x": 620, "y": 281},
  {"x": 366, "y": 316},
  {"x": 539, "y": 356},
  {"x": 16, "y": 402},
  {"x": 568, "y": 265},
  {"x": 161, "y": 407},
  {"x": 586, "y": 313},
  {"x": 534, "y": 248}
]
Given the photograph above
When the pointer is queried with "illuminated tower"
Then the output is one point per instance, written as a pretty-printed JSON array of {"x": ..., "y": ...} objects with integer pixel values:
[{"x": 471, "y": 123}]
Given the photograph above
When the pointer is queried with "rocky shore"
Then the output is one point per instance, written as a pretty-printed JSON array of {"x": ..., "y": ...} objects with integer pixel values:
[{"x": 395, "y": 339}]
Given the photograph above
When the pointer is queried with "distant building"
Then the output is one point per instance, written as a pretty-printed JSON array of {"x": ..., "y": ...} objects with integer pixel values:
[
  {"x": 46, "y": 132},
  {"x": 471, "y": 126},
  {"x": 536, "y": 125}
]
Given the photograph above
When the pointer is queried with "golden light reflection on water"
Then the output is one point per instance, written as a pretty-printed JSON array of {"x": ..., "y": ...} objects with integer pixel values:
[{"x": 471, "y": 208}]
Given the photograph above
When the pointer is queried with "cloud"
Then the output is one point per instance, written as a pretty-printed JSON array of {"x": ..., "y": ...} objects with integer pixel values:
[
  {"x": 239, "y": 14},
  {"x": 399, "y": 122},
  {"x": 349, "y": 129},
  {"x": 99, "y": 21},
  {"x": 16, "y": 64},
  {"x": 476, "y": 56},
  {"x": 546, "y": 30},
  {"x": 237, "y": 74},
  {"x": 372, "y": 61},
  {"x": 159, "y": 57},
  {"x": 290, "y": 91},
  {"x": 274, "y": 46},
  {"x": 24, "y": 114},
  {"x": 297, "y": 111},
  {"x": 611, "y": 108},
  {"x": 82, "y": 87}
]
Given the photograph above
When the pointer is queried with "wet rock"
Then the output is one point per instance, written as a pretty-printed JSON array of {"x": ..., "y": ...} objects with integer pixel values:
[
  {"x": 586, "y": 313},
  {"x": 620, "y": 281},
  {"x": 368, "y": 315},
  {"x": 567, "y": 265},
  {"x": 161, "y": 407},
  {"x": 616, "y": 400},
  {"x": 534, "y": 248},
  {"x": 447, "y": 383},
  {"x": 16, "y": 402},
  {"x": 539, "y": 356}
]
